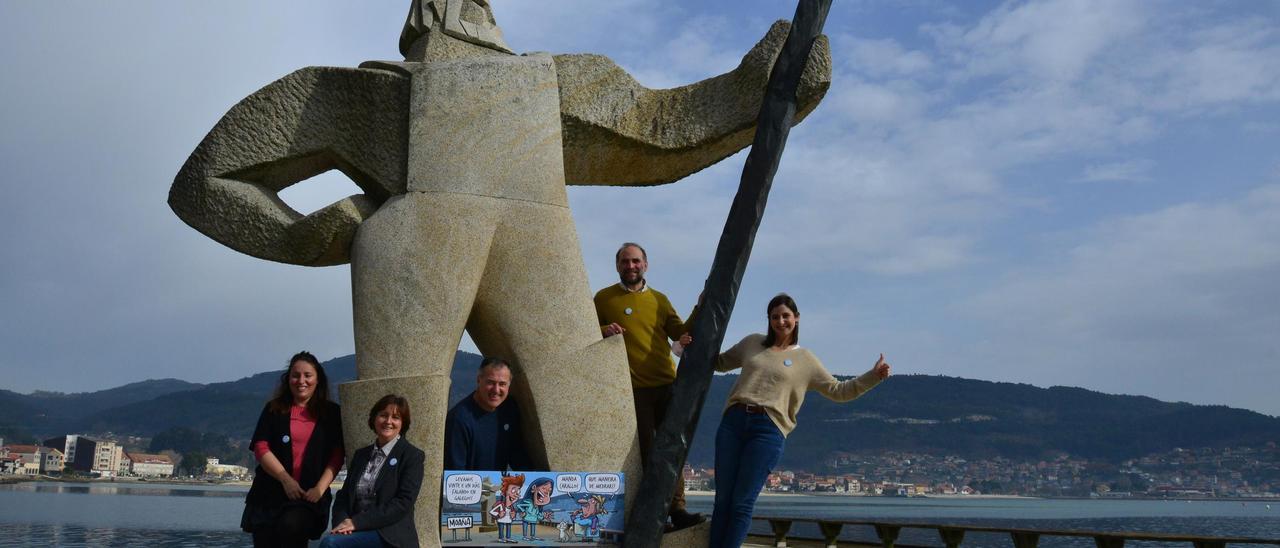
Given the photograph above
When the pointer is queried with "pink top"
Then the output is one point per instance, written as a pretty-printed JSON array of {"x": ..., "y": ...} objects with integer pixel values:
[{"x": 301, "y": 424}]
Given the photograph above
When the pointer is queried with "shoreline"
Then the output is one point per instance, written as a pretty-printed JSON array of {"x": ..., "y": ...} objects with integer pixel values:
[
  {"x": 15, "y": 479},
  {"x": 1261, "y": 499},
  {"x": 864, "y": 495},
  {"x": 180, "y": 482}
]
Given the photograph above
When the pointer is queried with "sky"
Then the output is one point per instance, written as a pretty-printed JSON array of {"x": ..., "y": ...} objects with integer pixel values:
[{"x": 1078, "y": 193}]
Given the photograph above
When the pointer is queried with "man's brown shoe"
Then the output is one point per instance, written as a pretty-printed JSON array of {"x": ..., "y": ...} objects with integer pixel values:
[{"x": 681, "y": 518}]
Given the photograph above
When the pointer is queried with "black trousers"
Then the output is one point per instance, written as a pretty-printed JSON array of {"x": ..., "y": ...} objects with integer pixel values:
[
  {"x": 651, "y": 409},
  {"x": 290, "y": 530}
]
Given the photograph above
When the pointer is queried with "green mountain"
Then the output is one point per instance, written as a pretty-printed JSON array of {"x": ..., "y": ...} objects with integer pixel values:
[
  {"x": 45, "y": 412},
  {"x": 971, "y": 418},
  {"x": 148, "y": 407},
  {"x": 915, "y": 413}
]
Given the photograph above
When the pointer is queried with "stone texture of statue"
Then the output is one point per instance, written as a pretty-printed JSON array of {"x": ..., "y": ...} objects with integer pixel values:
[{"x": 462, "y": 152}]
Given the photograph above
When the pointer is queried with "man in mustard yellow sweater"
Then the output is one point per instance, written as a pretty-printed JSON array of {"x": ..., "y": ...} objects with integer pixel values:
[{"x": 647, "y": 322}]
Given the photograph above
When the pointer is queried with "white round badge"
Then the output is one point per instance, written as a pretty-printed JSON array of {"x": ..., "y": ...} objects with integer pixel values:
[
  {"x": 627, "y": 311},
  {"x": 393, "y": 461},
  {"x": 786, "y": 363},
  {"x": 506, "y": 427},
  {"x": 285, "y": 438}
]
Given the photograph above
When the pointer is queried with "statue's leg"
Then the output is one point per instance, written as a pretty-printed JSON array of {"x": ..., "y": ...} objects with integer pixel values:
[
  {"x": 534, "y": 307},
  {"x": 415, "y": 268}
]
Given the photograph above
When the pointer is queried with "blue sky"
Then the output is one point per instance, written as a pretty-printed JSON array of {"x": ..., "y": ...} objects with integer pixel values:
[{"x": 1056, "y": 193}]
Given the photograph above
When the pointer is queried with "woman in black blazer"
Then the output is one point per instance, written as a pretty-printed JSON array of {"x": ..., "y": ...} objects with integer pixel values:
[
  {"x": 298, "y": 444},
  {"x": 374, "y": 508}
]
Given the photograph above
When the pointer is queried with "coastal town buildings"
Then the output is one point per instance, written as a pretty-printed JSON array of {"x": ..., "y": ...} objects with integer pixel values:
[
  {"x": 109, "y": 460},
  {"x": 78, "y": 451},
  {"x": 107, "y": 455},
  {"x": 10, "y": 465},
  {"x": 1180, "y": 473},
  {"x": 32, "y": 460},
  {"x": 84, "y": 454},
  {"x": 150, "y": 466}
]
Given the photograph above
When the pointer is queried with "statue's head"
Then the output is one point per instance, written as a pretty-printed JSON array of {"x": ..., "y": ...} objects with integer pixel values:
[{"x": 467, "y": 20}]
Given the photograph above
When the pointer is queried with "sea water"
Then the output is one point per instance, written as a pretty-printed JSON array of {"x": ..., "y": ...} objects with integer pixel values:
[
  {"x": 160, "y": 515},
  {"x": 1257, "y": 519}
]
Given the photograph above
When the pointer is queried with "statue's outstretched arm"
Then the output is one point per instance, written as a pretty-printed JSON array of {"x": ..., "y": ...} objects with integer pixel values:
[
  {"x": 617, "y": 132},
  {"x": 311, "y": 121}
]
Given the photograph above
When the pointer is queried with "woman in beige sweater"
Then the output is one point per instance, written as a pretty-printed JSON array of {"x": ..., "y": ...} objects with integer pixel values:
[{"x": 761, "y": 411}]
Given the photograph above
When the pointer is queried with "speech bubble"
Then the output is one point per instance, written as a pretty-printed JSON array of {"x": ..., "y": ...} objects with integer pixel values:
[
  {"x": 568, "y": 483},
  {"x": 607, "y": 484},
  {"x": 463, "y": 488}
]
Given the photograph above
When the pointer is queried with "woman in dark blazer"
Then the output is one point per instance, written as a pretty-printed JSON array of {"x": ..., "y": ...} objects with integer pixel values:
[
  {"x": 298, "y": 444},
  {"x": 374, "y": 508}
]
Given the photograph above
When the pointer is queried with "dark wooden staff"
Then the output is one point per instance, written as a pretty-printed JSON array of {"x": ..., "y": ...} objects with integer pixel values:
[{"x": 671, "y": 442}]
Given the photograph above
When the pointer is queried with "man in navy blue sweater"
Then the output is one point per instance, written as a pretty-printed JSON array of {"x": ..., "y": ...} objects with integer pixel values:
[{"x": 482, "y": 432}]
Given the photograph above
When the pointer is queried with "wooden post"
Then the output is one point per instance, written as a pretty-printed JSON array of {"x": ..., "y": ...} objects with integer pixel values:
[
  {"x": 1025, "y": 540},
  {"x": 1104, "y": 541},
  {"x": 780, "y": 528},
  {"x": 888, "y": 534},
  {"x": 830, "y": 531},
  {"x": 951, "y": 536}
]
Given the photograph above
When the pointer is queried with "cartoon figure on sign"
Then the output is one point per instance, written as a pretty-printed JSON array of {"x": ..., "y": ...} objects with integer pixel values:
[
  {"x": 504, "y": 512},
  {"x": 586, "y": 520},
  {"x": 529, "y": 508},
  {"x": 564, "y": 528}
]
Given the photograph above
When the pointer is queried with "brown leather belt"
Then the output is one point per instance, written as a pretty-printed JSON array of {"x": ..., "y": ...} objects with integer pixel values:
[{"x": 750, "y": 408}]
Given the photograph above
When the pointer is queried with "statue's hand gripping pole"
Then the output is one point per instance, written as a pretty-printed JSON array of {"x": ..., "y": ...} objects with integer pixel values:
[{"x": 671, "y": 443}]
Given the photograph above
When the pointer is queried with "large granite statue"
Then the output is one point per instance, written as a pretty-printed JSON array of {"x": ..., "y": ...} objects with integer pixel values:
[{"x": 463, "y": 152}]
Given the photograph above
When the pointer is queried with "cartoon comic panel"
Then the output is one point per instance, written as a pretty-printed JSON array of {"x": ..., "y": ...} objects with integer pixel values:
[{"x": 488, "y": 508}]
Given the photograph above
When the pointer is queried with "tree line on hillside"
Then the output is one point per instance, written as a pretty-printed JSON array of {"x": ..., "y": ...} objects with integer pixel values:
[{"x": 196, "y": 447}]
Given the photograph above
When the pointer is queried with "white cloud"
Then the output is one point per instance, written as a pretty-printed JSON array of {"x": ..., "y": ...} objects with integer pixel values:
[
  {"x": 594, "y": 25},
  {"x": 1185, "y": 288},
  {"x": 1137, "y": 170},
  {"x": 938, "y": 166},
  {"x": 1233, "y": 62},
  {"x": 881, "y": 57},
  {"x": 1261, "y": 127},
  {"x": 1041, "y": 83},
  {"x": 1054, "y": 41},
  {"x": 662, "y": 45},
  {"x": 886, "y": 105}
]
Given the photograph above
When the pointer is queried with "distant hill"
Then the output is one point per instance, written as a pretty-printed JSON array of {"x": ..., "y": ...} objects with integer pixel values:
[
  {"x": 917, "y": 413},
  {"x": 44, "y": 412},
  {"x": 147, "y": 407},
  {"x": 971, "y": 418}
]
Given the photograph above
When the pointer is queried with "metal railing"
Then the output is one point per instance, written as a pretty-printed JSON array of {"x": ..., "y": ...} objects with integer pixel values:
[{"x": 952, "y": 535}]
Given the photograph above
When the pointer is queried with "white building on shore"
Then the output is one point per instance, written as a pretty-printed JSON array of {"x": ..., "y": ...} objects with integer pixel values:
[
  {"x": 151, "y": 466},
  {"x": 213, "y": 467}
]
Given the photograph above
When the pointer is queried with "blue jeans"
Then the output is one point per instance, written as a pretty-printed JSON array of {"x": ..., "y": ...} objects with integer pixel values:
[
  {"x": 358, "y": 539},
  {"x": 748, "y": 446}
]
